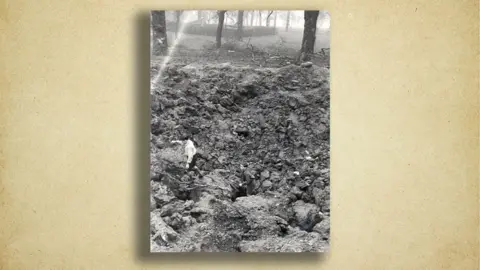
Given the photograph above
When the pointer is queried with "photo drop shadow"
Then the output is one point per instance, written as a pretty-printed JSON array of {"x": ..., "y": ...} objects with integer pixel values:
[{"x": 141, "y": 90}]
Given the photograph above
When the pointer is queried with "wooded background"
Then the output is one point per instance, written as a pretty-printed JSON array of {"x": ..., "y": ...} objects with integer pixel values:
[{"x": 239, "y": 24}]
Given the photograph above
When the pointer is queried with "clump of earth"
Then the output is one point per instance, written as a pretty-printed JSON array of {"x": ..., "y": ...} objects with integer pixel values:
[{"x": 263, "y": 182}]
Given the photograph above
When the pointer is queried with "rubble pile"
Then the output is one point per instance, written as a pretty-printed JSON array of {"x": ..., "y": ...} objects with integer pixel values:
[{"x": 263, "y": 182}]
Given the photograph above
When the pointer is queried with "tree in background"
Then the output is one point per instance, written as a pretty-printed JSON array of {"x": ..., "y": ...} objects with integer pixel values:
[
  {"x": 212, "y": 16},
  {"x": 201, "y": 17},
  {"x": 159, "y": 29},
  {"x": 297, "y": 18},
  {"x": 275, "y": 20},
  {"x": 268, "y": 18},
  {"x": 208, "y": 17},
  {"x": 259, "y": 18},
  {"x": 288, "y": 21},
  {"x": 221, "y": 20},
  {"x": 252, "y": 16},
  {"x": 240, "y": 25},
  {"x": 309, "y": 30},
  {"x": 178, "y": 14}
]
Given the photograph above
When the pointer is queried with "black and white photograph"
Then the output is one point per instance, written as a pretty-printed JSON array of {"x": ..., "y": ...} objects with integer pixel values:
[{"x": 240, "y": 131}]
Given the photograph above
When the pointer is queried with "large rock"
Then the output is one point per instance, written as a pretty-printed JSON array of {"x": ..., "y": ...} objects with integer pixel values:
[
  {"x": 321, "y": 73},
  {"x": 171, "y": 208},
  {"x": 319, "y": 196},
  {"x": 323, "y": 228},
  {"x": 162, "y": 199},
  {"x": 306, "y": 214},
  {"x": 160, "y": 228},
  {"x": 266, "y": 215},
  {"x": 251, "y": 205},
  {"x": 218, "y": 184}
]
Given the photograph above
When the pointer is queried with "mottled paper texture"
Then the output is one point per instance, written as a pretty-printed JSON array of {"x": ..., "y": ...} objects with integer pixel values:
[{"x": 404, "y": 145}]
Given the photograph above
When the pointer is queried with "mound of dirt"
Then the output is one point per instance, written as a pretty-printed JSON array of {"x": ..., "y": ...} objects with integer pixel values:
[{"x": 262, "y": 183}]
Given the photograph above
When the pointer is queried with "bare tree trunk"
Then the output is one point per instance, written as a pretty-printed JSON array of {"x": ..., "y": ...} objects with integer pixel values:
[
  {"x": 259, "y": 18},
  {"x": 240, "y": 25},
  {"x": 308, "y": 41},
  {"x": 252, "y": 15},
  {"x": 201, "y": 17},
  {"x": 159, "y": 29},
  {"x": 268, "y": 18},
  {"x": 221, "y": 20},
  {"x": 177, "y": 26},
  {"x": 288, "y": 21},
  {"x": 275, "y": 20}
]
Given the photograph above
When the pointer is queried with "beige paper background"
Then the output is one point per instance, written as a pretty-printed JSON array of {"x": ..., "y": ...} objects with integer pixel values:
[{"x": 405, "y": 144}]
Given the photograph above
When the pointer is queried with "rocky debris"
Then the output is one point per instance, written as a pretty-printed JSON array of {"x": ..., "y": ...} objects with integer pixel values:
[
  {"x": 295, "y": 242},
  {"x": 306, "y": 214},
  {"x": 161, "y": 229},
  {"x": 262, "y": 182},
  {"x": 265, "y": 175},
  {"x": 323, "y": 228},
  {"x": 153, "y": 204},
  {"x": 218, "y": 184},
  {"x": 154, "y": 247},
  {"x": 161, "y": 200},
  {"x": 306, "y": 64}
]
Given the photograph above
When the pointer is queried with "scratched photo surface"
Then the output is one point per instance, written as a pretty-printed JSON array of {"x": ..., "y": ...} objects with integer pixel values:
[{"x": 240, "y": 131}]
